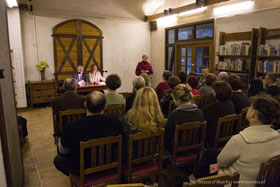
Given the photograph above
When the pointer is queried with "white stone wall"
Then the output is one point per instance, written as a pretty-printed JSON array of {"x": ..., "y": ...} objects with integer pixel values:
[{"x": 124, "y": 43}]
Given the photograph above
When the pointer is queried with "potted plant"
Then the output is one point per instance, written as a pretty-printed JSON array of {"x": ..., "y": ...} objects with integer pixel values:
[{"x": 42, "y": 68}]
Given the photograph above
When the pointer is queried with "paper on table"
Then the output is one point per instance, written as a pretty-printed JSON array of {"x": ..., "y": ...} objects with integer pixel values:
[{"x": 101, "y": 83}]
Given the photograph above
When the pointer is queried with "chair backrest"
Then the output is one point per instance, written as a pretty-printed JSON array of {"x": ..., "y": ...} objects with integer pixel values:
[
  {"x": 196, "y": 99},
  {"x": 116, "y": 111},
  {"x": 146, "y": 144},
  {"x": 215, "y": 181},
  {"x": 125, "y": 94},
  {"x": 192, "y": 137},
  {"x": 269, "y": 174},
  {"x": 244, "y": 122},
  {"x": 71, "y": 115},
  {"x": 206, "y": 100},
  {"x": 227, "y": 127},
  {"x": 171, "y": 106},
  {"x": 101, "y": 158}
]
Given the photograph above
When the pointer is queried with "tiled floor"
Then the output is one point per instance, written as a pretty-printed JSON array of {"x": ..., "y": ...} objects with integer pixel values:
[{"x": 39, "y": 151}]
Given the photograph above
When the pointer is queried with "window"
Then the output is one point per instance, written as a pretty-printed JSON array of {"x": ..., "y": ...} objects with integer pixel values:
[{"x": 190, "y": 57}]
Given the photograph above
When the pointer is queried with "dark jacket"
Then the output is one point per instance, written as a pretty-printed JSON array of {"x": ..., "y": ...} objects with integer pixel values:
[
  {"x": 68, "y": 100},
  {"x": 274, "y": 91},
  {"x": 183, "y": 114},
  {"x": 90, "y": 127},
  {"x": 211, "y": 114},
  {"x": 239, "y": 100},
  {"x": 76, "y": 76},
  {"x": 129, "y": 101}
]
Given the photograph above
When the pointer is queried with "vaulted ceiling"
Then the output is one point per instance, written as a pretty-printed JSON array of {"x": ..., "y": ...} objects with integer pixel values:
[{"x": 127, "y": 9}]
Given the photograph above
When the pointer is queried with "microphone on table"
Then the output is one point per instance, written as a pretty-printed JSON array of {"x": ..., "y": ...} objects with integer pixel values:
[{"x": 104, "y": 71}]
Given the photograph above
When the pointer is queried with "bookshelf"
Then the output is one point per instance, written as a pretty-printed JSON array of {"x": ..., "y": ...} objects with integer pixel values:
[
  {"x": 237, "y": 54},
  {"x": 268, "y": 52}
]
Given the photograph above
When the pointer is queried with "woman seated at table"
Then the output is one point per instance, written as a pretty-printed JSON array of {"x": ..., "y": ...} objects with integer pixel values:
[{"x": 94, "y": 76}]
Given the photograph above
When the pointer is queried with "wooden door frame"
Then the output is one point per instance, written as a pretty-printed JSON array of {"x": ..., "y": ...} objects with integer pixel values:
[
  {"x": 194, "y": 43},
  {"x": 4, "y": 144}
]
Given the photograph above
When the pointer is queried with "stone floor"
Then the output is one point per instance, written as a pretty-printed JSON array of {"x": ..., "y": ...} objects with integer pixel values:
[{"x": 39, "y": 150}]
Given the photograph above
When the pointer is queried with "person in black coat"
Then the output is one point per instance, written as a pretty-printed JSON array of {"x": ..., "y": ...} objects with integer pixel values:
[
  {"x": 237, "y": 96},
  {"x": 80, "y": 76},
  {"x": 184, "y": 113},
  {"x": 271, "y": 86},
  {"x": 214, "y": 111}
]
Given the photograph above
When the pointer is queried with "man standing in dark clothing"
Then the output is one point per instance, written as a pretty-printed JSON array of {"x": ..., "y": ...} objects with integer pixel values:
[
  {"x": 144, "y": 66},
  {"x": 94, "y": 125}
]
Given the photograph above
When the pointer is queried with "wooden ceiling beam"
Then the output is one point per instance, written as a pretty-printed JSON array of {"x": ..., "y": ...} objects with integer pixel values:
[{"x": 184, "y": 8}]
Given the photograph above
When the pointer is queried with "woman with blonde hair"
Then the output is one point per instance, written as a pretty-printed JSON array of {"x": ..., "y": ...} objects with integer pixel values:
[
  {"x": 94, "y": 76},
  {"x": 184, "y": 113},
  {"x": 144, "y": 116}
]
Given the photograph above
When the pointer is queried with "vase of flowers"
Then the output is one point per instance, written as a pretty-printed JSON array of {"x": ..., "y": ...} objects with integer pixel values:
[{"x": 42, "y": 66}]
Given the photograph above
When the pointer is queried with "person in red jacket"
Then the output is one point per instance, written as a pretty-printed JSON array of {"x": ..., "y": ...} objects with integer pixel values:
[{"x": 144, "y": 66}]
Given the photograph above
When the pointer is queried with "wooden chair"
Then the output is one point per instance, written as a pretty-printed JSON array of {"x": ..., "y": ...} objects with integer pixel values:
[
  {"x": 192, "y": 136},
  {"x": 269, "y": 173},
  {"x": 215, "y": 181},
  {"x": 147, "y": 159},
  {"x": 116, "y": 111},
  {"x": 244, "y": 122},
  {"x": 69, "y": 116},
  {"x": 125, "y": 94},
  {"x": 171, "y": 107},
  {"x": 196, "y": 100},
  {"x": 227, "y": 127},
  {"x": 127, "y": 185},
  {"x": 104, "y": 168},
  {"x": 205, "y": 101}
]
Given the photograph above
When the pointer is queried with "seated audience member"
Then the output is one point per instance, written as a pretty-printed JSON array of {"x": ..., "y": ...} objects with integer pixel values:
[
  {"x": 270, "y": 85},
  {"x": 204, "y": 73},
  {"x": 222, "y": 76},
  {"x": 214, "y": 111},
  {"x": 137, "y": 83},
  {"x": 255, "y": 87},
  {"x": 68, "y": 100},
  {"x": 147, "y": 79},
  {"x": 94, "y": 76},
  {"x": 193, "y": 82},
  {"x": 245, "y": 152},
  {"x": 113, "y": 82},
  {"x": 237, "y": 97},
  {"x": 164, "y": 102},
  {"x": 144, "y": 116},
  {"x": 162, "y": 86},
  {"x": 183, "y": 77},
  {"x": 207, "y": 89},
  {"x": 94, "y": 125},
  {"x": 80, "y": 76},
  {"x": 184, "y": 113}
]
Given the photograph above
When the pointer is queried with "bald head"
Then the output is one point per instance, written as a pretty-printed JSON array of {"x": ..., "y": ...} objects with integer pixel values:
[
  {"x": 96, "y": 102},
  {"x": 70, "y": 84},
  {"x": 222, "y": 76}
]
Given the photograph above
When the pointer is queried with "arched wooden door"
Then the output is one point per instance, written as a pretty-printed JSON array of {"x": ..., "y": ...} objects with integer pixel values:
[{"x": 76, "y": 42}]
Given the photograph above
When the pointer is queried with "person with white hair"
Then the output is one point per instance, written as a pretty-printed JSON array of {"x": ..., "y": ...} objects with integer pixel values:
[
  {"x": 222, "y": 76},
  {"x": 80, "y": 76}
]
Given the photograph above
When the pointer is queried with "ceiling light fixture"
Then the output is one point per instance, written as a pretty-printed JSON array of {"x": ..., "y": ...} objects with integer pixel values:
[
  {"x": 233, "y": 8},
  {"x": 167, "y": 20},
  {"x": 12, "y": 3},
  {"x": 193, "y": 12}
]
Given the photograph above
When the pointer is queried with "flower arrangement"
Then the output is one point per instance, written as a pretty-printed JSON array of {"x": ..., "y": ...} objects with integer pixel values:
[{"x": 42, "y": 66}]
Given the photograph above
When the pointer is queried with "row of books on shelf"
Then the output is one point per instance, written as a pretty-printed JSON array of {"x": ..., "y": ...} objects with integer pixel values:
[
  {"x": 235, "y": 49},
  {"x": 233, "y": 65},
  {"x": 268, "y": 66},
  {"x": 269, "y": 50}
]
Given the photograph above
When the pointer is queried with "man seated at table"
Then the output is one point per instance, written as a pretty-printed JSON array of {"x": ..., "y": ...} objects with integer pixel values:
[
  {"x": 94, "y": 125},
  {"x": 80, "y": 76},
  {"x": 69, "y": 100}
]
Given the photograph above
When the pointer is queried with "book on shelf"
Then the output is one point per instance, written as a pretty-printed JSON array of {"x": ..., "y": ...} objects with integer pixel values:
[
  {"x": 268, "y": 66},
  {"x": 232, "y": 65},
  {"x": 242, "y": 49},
  {"x": 269, "y": 50}
]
